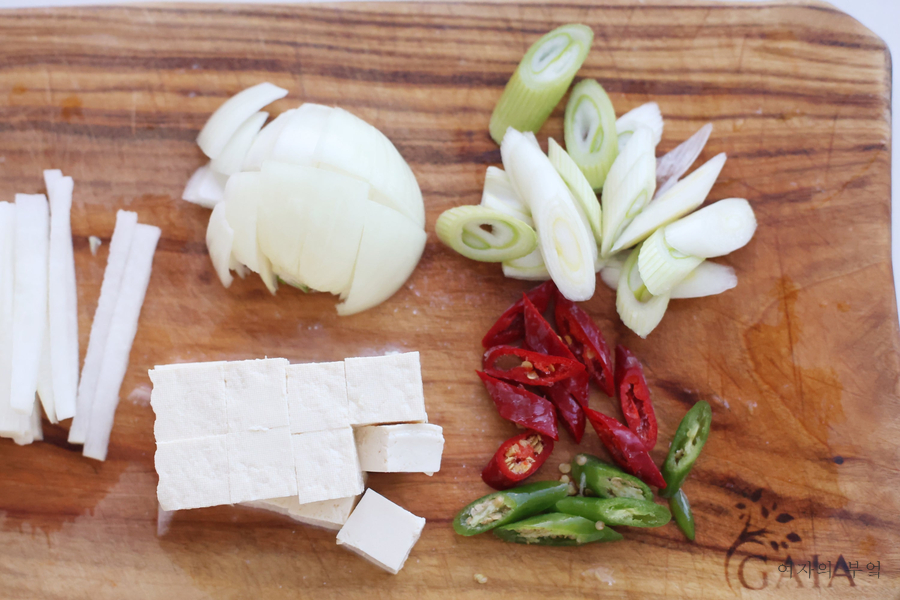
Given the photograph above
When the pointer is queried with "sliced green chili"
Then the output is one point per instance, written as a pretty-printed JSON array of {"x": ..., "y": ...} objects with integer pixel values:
[
  {"x": 556, "y": 529},
  {"x": 692, "y": 434},
  {"x": 681, "y": 511},
  {"x": 508, "y": 506},
  {"x": 617, "y": 511},
  {"x": 606, "y": 480}
]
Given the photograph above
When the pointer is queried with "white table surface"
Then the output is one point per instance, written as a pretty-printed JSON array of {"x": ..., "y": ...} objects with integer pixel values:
[{"x": 881, "y": 16}]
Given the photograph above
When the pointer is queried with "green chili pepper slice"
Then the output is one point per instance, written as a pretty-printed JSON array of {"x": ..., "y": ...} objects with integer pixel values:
[
  {"x": 617, "y": 511},
  {"x": 692, "y": 434},
  {"x": 606, "y": 480},
  {"x": 556, "y": 529},
  {"x": 681, "y": 511},
  {"x": 508, "y": 506}
]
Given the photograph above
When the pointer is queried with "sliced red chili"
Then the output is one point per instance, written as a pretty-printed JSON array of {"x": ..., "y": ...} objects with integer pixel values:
[
  {"x": 569, "y": 410},
  {"x": 520, "y": 406},
  {"x": 531, "y": 368},
  {"x": 582, "y": 336},
  {"x": 511, "y": 325},
  {"x": 517, "y": 459},
  {"x": 625, "y": 448},
  {"x": 634, "y": 396}
]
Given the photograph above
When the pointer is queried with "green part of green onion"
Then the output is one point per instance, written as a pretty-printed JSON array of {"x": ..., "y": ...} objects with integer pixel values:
[
  {"x": 639, "y": 310},
  {"x": 484, "y": 234},
  {"x": 661, "y": 266},
  {"x": 590, "y": 131}
]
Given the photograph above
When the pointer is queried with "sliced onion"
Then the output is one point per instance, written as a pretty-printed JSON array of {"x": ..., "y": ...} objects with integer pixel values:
[
  {"x": 219, "y": 240},
  {"x": 205, "y": 187},
  {"x": 232, "y": 156},
  {"x": 261, "y": 148},
  {"x": 716, "y": 230},
  {"x": 639, "y": 310},
  {"x": 628, "y": 188},
  {"x": 500, "y": 195},
  {"x": 242, "y": 196},
  {"x": 228, "y": 118},
  {"x": 673, "y": 165},
  {"x": 296, "y": 143},
  {"x": 646, "y": 115}
]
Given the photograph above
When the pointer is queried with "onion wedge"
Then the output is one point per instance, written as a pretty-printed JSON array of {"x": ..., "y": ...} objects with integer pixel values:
[
  {"x": 716, "y": 230},
  {"x": 628, "y": 187},
  {"x": 263, "y": 145},
  {"x": 205, "y": 188},
  {"x": 500, "y": 195},
  {"x": 646, "y": 115},
  {"x": 674, "y": 164},
  {"x": 639, "y": 310},
  {"x": 12, "y": 423},
  {"x": 229, "y": 117},
  {"x": 219, "y": 241},
  {"x": 229, "y": 161},
  {"x": 296, "y": 143}
]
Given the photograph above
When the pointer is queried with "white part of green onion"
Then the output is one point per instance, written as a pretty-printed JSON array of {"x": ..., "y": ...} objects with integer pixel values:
[
  {"x": 708, "y": 279},
  {"x": 639, "y": 310},
  {"x": 219, "y": 240},
  {"x": 716, "y": 230},
  {"x": 500, "y": 195},
  {"x": 261, "y": 148},
  {"x": 296, "y": 143},
  {"x": 611, "y": 270},
  {"x": 578, "y": 184},
  {"x": 661, "y": 266},
  {"x": 628, "y": 188},
  {"x": 205, "y": 188},
  {"x": 646, "y": 115},
  {"x": 590, "y": 131},
  {"x": 529, "y": 135},
  {"x": 484, "y": 234},
  {"x": 541, "y": 80},
  {"x": 674, "y": 164},
  {"x": 231, "y": 158},
  {"x": 229, "y": 117},
  {"x": 566, "y": 245},
  {"x": 683, "y": 198},
  {"x": 529, "y": 268}
]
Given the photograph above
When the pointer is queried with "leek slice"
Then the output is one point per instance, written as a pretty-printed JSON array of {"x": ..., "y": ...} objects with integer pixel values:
[
  {"x": 530, "y": 267},
  {"x": 708, "y": 279},
  {"x": 232, "y": 156},
  {"x": 500, "y": 195},
  {"x": 485, "y": 235},
  {"x": 262, "y": 146},
  {"x": 297, "y": 141},
  {"x": 219, "y": 241},
  {"x": 590, "y": 131},
  {"x": 646, "y": 115},
  {"x": 683, "y": 198},
  {"x": 675, "y": 163},
  {"x": 229, "y": 117},
  {"x": 628, "y": 188},
  {"x": 661, "y": 266},
  {"x": 205, "y": 188},
  {"x": 639, "y": 310},
  {"x": 578, "y": 184},
  {"x": 715, "y": 230},
  {"x": 565, "y": 243},
  {"x": 541, "y": 80}
]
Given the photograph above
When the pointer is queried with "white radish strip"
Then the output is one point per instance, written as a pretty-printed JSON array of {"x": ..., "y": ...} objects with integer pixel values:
[
  {"x": 63, "y": 299},
  {"x": 205, "y": 188},
  {"x": 716, "y": 230},
  {"x": 32, "y": 240},
  {"x": 708, "y": 279},
  {"x": 261, "y": 149},
  {"x": 219, "y": 240},
  {"x": 673, "y": 165},
  {"x": 12, "y": 423},
  {"x": 119, "y": 248},
  {"x": 646, "y": 115},
  {"x": 229, "y": 117},
  {"x": 33, "y": 430},
  {"x": 45, "y": 380},
  {"x": 123, "y": 328},
  {"x": 297, "y": 141},
  {"x": 500, "y": 195},
  {"x": 231, "y": 158}
]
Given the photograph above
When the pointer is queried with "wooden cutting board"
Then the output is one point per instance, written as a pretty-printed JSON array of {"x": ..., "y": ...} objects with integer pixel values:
[{"x": 800, "y": 362}]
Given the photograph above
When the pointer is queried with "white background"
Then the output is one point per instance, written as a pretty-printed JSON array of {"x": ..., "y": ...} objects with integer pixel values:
[{"x": 881, "y": 16}]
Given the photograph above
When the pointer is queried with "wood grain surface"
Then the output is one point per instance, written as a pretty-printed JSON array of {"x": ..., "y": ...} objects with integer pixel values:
[{"x": 800, "y": 362}]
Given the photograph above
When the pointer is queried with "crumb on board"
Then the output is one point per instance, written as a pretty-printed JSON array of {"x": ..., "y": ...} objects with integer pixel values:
[
  {"x": 94, "y": 242},
  {"x": 479, "y": 578}
]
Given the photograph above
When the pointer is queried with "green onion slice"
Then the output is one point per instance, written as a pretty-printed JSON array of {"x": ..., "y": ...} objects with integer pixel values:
[
  {"x": 499, "y": 194},
  {"x": 484, "y": 234},
  {"x": 662, "y": 267},
  {"x": 578, "y": 184},
  {"x": 628, "y": 187},
  {"x": 645, "y": 115},
  {"x": 590, "y": 131},
  {"x": 639, "y": 310}
]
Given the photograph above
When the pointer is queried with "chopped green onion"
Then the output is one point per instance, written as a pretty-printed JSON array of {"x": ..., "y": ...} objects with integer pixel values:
[
  {"x": 628, "y": 188},
  {"x": 708, "y": 279},
  {"x": 645, "y": 115},
  {"x": 590, "y": 131},
  {"x": 639, "y": 310},
  {"x": 716, "y": 230},
  {"x": 662, "y": 267},
  {"x": 530, "y": 267},
  {"x": 485, "y": 235},
  {"x": 675, "y": 163},
  {"x": 578, "y": 184},
  {"x": 612, "y": 268},
  {"x": 499, "y": 194},
  {"x": 541, "y": 80}
]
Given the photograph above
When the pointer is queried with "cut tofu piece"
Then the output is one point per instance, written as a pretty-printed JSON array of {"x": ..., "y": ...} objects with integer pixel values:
[
  {"x": 12, "y": 423},
  {"x": 317, "y": 397},
  {"x": 256, "y": 396},
  {"x": 189, "y": 401},
  {"x": 385, "y": 389},
  {"x": 260, "y": 465},
  {"x": 192, "y": 473},
  {"x": 327, "y": 514},
  {"x": 381, "y": 532},
  {"x": 326, "y": 464},
  {"x": 407, "y": 448}
]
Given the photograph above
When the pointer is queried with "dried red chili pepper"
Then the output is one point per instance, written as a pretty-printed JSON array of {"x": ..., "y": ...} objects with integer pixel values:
[
  {"x": 569, "y": 410},
  {"x": 517, "y": 459},
  {"x": 511, "y": 325},
  {"x": 626, "y": 448},
  {"x": 582, "y": 336},
  {"x": 634, "y": 396},
  {"x": 520, "y": 406},
  {"x": 530, "y": 368}
]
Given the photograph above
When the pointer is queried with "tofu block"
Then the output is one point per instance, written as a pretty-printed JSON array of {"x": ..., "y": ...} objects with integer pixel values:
[
  {"x": 381, "y": 532},
  {"x": 189, "y": 401},
  {"x": 317, "y": 397},
  {"x": 327, "y": 514},
  {"x": 385, "y": 389},
  {"x": 256, "y": 395},
  {"x": 407, "y": 448},
  {"x": 327, "y": 465},
  {"x": 193, "y": 473},
  {"x": 260, "y": 465}
]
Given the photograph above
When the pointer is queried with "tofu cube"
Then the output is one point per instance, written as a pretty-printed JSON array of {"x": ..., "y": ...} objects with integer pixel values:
[
  {"x": 326, "y": 464},
  {"x": 193, "y": 473},
  {"x": 385, "y": 389},
  {"x": 381, "y": 532},
  {"x": 189, "y": 401},
  {"x": 261, "y": 465},
  {"x": 317, "y": 397},
  {"x": 256, "y": 395},
  {"x": 407, "y": 448},
  {"x": 327, "y": 514}
]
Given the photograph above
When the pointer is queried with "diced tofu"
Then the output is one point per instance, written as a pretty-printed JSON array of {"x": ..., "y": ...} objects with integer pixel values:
[
  {"x": 381, "y": 532},
  {"x": 328, "y": 514},
  {"x": 256, "y": 395},
  {"x": 317, "y": 397},
  {"x": 385, "y": 389},
  {"x": 192, "y": 473},
  {"x": 260, "y": 465},
  {"x": 189, "y": 401},
  {"x": 327, "y": 465},
  {"x": 407, "y": 448}
]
